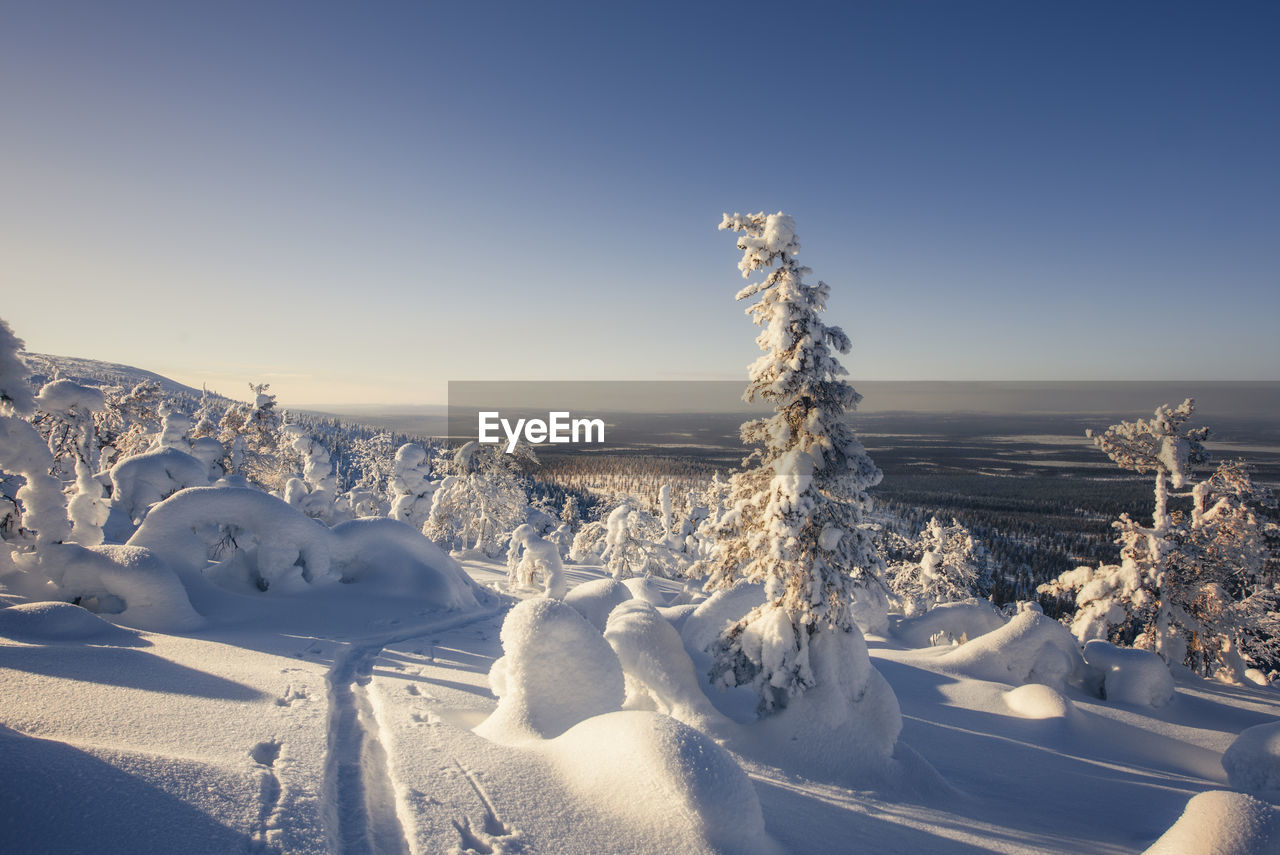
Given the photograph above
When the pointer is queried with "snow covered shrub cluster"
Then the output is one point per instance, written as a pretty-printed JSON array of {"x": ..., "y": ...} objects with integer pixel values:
[{"x": 183, "y": 515}]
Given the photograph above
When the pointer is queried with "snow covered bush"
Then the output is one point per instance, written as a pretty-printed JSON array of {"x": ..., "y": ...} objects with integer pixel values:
[
  {"x": 144, "y": 480},
  {"x": 595, "y": 600},
  {"x": 796, "y": 518},
  {"x": 1130, "y": 676},
  {"x": 665, "y": 780},
  {"x": 130, "y": 585},
  {"x": 261, "y": 542},
  {"x": 1218, "y": 822},
  {"x": 589, "y": 543}
]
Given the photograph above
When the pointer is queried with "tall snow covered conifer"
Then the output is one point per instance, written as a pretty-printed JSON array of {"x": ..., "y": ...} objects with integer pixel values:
[{"x": 795, "y": 517}]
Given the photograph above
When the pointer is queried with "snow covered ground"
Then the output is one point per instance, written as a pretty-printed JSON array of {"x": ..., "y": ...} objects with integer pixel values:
[{"x": 325, "y": 724}]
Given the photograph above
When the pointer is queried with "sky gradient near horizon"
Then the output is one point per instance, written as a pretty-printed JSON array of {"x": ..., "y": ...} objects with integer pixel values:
[{"x": 360, "y": 202}]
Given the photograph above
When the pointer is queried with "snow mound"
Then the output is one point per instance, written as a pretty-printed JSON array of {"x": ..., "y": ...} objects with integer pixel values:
[
  {"x": 1030, "y": 648},
  {"x": 963, "y": 621},
  {"x": 662, "y": 776},
  {"x": 845, "y": 728},
  {"x": 556, "y": 670},
  {"x": 644, "y": 588},
  {"x": 659, "y": 673},
  {"x": 1036, "y": 700},
  {"x": 1222, "y": 823},
  {"x": 40, "y": 623},
  {"x": 130, "y": 584},
  {"x": 677, "y": 615},
  {"x": 1130, "y": 676},
  {"x": 387, "y": 556},
  {"x": 281, "y": 548},
  {"x": 712, "y": 615},
  {"x": 1253, "y": 760},
  {"x": 144, "y": 480},
  {"x": 594, "y": 600}
]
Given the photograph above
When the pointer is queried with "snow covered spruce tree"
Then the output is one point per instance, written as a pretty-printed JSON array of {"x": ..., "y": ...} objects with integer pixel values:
[{"x": 795, "y": 517}]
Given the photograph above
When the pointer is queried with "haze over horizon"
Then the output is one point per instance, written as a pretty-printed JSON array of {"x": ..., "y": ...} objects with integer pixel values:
[{"x": 358, "y": 205}]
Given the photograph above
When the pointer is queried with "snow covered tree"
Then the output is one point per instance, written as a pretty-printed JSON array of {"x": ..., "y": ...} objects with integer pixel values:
[
  {"x": 411, "y": 485},
  {"x": 15, "y": 391},
  {"x": 374, "y": 458},
  {"x": 482, "y": 501},
  {"x": 1191, "y": 587},
  {"x": 949, "y": 567},
  {"x": 319, "y": 485},
  {"x": 251, "y": 433},
  {"x": 570, "y": 514},
  {"x": 589, "y": 543},
  {"x": 25, "y": 453},
  {"x": 1230, "y": 600},
  {"x": 128, "y": 424},
  {"x": 795, "y": 522},
  {"x": 68, "y": 409},
  {"x": 174, "y": 425},
  {"x": 527, "y": 556},
  {"x": 633, "y": 547}
]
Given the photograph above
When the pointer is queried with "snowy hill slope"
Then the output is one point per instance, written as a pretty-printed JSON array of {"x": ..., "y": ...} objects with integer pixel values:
[{"x": 94, "y": 372}]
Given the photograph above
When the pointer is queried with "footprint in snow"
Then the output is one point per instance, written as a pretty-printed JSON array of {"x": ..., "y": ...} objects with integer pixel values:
[{"x": 265, "y": 753}]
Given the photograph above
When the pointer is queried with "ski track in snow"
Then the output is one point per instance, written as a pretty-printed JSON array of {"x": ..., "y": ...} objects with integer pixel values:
[{"x": 360, "y": 800}]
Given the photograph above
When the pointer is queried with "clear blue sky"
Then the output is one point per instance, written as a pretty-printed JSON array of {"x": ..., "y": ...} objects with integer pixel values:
[{"x": 360, "y": 201}]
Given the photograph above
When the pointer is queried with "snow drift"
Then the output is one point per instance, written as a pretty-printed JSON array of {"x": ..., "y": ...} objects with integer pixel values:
[{"x": 1252, "y": 762}]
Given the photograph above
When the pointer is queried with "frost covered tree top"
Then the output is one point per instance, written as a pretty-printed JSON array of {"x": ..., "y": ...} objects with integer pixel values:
[
  {"x": 1157, "y": 444},
  {"x": 765, "y": 239},
  {"x": 64, "y": 397}
]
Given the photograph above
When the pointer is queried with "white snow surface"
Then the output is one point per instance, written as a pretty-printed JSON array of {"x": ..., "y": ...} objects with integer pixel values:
[{"x": 333, "y": 720}]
